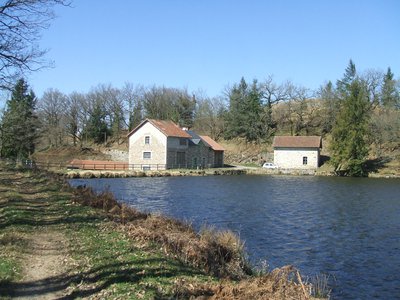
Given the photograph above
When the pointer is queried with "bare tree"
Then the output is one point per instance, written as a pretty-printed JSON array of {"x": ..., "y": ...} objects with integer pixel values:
[
  {"x": 169, "y": 103},
  {"x": 272, "y": 94},
  {"x": 299, "y": 113},
  {"x": 133, "y": 99},
  {"x": 114, "y": 106},
  {"x": 209, "y": 116},
  {"x": 330, "y": 103},
  {"x": 74, "y": 115},
  {"x": 52, "y": 114},
  {"x": 373, "y": 81},
  {"x": 21, "y": 22}
]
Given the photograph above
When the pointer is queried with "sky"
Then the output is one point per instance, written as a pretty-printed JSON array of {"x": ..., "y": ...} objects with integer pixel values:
[{"x": 209, "y": 45}]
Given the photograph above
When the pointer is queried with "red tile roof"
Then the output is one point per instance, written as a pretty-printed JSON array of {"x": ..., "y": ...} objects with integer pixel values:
[
  {"x": 213, "y": 144},
  {"x": 168, "y": 128},
  {"x": 297, "y": 142}
]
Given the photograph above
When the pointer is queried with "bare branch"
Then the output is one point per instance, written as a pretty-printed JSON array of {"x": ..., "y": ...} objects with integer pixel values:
[{"x": 21, "y": 24}]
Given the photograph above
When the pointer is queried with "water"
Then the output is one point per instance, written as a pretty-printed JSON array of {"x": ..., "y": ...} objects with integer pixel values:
[{"x": 348, "y": 228}]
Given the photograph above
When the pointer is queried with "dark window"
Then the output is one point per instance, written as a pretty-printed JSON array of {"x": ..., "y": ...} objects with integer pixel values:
[
  {"x": 182, "y": 142},
  {"x": 304, "y": 160},
  {"x": 146, "y": 155},
  {"x": 218, "y": 159},
  {"x": 147, "y": 140},
  {"x": 181, "y": 159}
]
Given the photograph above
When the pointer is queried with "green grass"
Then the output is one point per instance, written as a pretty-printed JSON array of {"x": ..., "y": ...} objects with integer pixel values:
[
  {"x": 102, "y": 260},
  {"x": 252, "y": 165},
  {"x": 117, "y": 267},
  {"x": 8, "y": 269}
]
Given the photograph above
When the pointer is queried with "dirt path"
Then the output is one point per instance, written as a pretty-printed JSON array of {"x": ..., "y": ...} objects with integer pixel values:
[
  {"x": 33, "y": 217},
  {"x": 44, "y": 271}
]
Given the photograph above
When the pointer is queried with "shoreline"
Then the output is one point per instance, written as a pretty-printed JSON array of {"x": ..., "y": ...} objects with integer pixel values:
[
  {"x": 88, "y": 174},
  {"x": 116, "y": 251}
]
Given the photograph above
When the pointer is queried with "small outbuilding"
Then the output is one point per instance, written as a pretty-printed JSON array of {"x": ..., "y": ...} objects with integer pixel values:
[{"x": 297, "y": 152}]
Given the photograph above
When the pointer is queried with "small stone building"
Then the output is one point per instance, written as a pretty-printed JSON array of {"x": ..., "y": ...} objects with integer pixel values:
[
  {"x": 161, "y": 144},
  {"x": 297, "y": 152}
]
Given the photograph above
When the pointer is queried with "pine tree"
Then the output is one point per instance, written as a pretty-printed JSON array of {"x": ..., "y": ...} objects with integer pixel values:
[
  {"x": 136, "y": 116},
  {"x": 97, "y": 128},
  {"x": 245, "y": 116},
  {"x": 19, "y": 126},
  {"x": 390, "y": 95},
  {"x": 348, "y": 77},
  {"x": 252, "y": 126},
  {"x": 349, "y": 146},
  {"x": 235, "y": 117}
]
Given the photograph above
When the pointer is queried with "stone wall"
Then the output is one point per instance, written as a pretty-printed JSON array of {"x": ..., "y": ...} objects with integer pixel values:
[
  {"x": 292, "y": 158},
  {"x": 200, "y": 156},
  {"x": 157, "y": 146}
]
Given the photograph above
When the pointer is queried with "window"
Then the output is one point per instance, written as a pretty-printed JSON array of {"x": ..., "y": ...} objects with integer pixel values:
[
  {"x": 304, "y": 160},
  {"x": 147, "y": 140},
  {"x": 182, "y": 142},
  {"x": 146, "y": 168},
  {"x": 181, "y": 159},
  {"x": 146, "y": 155},
  {"x": 195, "y": 162}
]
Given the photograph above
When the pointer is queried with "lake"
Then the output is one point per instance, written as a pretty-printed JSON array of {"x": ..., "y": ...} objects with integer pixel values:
[{"x": 348, "y": 228}]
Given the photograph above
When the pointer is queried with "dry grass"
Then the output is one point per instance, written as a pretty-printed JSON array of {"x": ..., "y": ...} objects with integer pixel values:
[
  {"x": 321, "y": 285},
  {"x": 284, "y": 284},
  {"x": 218, "y": 253}
]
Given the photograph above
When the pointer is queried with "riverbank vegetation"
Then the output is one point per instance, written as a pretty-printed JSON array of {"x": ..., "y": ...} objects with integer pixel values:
[{"x": 59, "y": 242}]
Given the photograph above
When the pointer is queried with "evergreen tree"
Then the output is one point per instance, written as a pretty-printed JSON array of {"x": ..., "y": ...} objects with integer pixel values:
[
  {"x": 97, "y": 128},
  {"x": 348, "y": 77},
  {"x": 235, "y": 118},
  {"x": 390, "y": 95},
  {"x": 136, "y": 116},
  {"x": 349, "y": 146},
  {"x": 19, "y": 126},
  {"x": 252, "y": 125},
  {"x": 245, "y": 116}
]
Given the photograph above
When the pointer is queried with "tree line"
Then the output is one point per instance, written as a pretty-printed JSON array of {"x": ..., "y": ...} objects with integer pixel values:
[{"x": 359, "y": 110}]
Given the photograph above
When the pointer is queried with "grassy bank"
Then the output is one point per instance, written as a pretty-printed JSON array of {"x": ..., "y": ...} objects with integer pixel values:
[{"x": 88, "y": 246}]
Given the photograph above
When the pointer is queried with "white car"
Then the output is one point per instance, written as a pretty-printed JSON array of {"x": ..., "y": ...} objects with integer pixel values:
[{"x": 269, "y": 165}]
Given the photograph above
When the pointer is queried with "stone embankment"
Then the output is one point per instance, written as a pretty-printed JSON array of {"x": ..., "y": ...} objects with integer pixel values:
[
  {"x": 77, "y": 173},
  {"x": 74, "y": 174}
]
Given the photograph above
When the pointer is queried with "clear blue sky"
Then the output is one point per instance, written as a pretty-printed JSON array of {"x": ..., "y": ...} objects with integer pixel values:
[{"x": 209, "y": 44}]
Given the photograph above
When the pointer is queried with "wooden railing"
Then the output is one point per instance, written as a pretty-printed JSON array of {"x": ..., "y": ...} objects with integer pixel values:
[{"x": 101, "y": 166}]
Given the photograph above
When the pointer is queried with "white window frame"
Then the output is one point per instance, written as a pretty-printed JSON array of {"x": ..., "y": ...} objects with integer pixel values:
[{"x": 146, "y": 158}]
